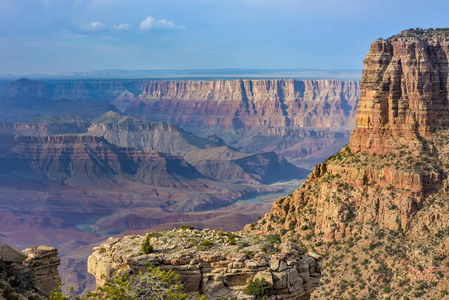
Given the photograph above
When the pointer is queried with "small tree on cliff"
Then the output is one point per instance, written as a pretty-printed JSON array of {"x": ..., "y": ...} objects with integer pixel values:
[{"x": 151, "y": 284}]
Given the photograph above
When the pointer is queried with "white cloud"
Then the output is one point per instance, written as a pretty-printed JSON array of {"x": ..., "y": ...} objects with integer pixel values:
[
  {"x": 95, "y": 26},
  {"x": 151, "y": 23},
  {"x": 122, "y": 27},
  {"x": 99, "y": 27}
]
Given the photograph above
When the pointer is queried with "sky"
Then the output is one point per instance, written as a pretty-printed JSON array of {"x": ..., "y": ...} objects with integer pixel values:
[{"x": 62, "y": 36}]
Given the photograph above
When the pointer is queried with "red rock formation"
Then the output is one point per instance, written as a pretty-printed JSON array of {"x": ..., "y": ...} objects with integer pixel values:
[
  {"x": 246, "y": 103},
  {"x": 382, "y": 200},
  {"x": 404, "y": 91},
  {"x": 255, "y": 115}
]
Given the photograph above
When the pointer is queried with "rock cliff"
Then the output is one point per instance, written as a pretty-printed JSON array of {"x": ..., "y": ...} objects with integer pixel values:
[
  {"x": 248, "y": 103},
  {"x": 378, "y": 209},
  {"x": 303, "y": 118},
  {"x": 404, "y": 91},
  {"x": 31, "y": 274},
  {"x": 218, "y": 268},
  {"x": 251, "y": 114}
]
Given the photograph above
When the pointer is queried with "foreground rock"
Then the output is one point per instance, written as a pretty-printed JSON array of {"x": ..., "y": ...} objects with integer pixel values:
[
  {"x": 31, "y": 274},
  {"x": 206, "y": 262},
  {"x": 379, "y": 209}
]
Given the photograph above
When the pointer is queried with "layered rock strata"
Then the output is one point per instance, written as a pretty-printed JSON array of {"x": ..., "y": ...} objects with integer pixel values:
[
  {"x": 378, "y": 208},
  {"x": 217, "y": 269},
  {"x": 248, "y": 103},
  {"x": 32, "y": 273},
  {"x": 252, "y": 115},
  {"x": 403, "y": 92},
  {"x": 43, "y": 261}
]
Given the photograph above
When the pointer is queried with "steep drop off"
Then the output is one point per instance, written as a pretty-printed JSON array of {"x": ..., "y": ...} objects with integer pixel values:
[{"x": 379, "y": 209}]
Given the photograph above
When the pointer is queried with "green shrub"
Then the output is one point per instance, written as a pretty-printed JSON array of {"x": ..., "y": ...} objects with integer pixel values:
[
  {"x": 258, "y": 288},
  {"x": 205, "y": 245},
  {"x": 273, "y": 238},
  {"x": 231, "y": 239},
  {"x": 147, "y": 248},
  {"x": 184, "y": 227}
]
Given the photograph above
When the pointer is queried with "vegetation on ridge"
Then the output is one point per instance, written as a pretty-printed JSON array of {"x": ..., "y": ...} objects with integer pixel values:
[
  {"x": 149, "y": 285},
  {"x": 377, "y": 250}
]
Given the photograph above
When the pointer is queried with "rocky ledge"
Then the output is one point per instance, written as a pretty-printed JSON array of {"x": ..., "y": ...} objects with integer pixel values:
[
  {"x": 217, "y": 264},
  {"x": 28, "y": 274}
]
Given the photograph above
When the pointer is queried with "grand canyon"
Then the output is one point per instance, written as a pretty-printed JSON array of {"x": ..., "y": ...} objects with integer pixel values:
[
  {"x": 141, "y": 155},
  {"x": 238, "y": 154}
]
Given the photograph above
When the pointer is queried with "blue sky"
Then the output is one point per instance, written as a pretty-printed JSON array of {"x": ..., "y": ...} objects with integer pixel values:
[{"x": 57, "y": 36}]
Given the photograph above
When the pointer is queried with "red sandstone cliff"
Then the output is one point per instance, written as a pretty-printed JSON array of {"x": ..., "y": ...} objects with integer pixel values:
[
  {"x": 404, "y": 91},
  {"x": 254, "y": 115},
  {"x": 246, "y": 103},
  {"x": 379, "y": 209}
]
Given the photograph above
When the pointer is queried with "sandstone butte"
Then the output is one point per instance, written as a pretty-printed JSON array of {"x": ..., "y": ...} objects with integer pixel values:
[{"x": 378, "y": 210}]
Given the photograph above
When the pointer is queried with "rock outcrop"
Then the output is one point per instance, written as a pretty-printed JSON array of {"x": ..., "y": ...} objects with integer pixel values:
[
  {"x": 378, "y": 209},
  {"x": 208, "y": 262},
  {"x": 43, "y": 262},
  {"x": 404, "y": 91},
  {"x": 31, "y": 274}
]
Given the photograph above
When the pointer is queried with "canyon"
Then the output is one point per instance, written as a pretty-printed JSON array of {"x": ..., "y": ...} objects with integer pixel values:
[
  {"x": 80, "y": 160},
  {"x": 369, "y": 222}
]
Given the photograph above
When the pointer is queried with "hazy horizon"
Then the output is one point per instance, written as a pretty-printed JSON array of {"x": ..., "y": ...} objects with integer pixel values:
[{"x": 64, "y": 36}]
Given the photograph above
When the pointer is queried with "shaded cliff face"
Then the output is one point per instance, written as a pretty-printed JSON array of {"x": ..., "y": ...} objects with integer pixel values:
[
  {"x": 148, "y": 136},
  {"x": 28, "y": 274},
  {"x": 404, "y": 91},
  {"x": 242, "y": 111},
  {"x": 379, "y": 208},
  {"x": 209, "y": 155}
]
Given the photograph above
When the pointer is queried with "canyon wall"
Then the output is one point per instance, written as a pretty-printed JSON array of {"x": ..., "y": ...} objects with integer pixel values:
[
  {"x": 255, "y": 115},
  {"x": 379, "y": 207},
  {"x": 247, "y": 103},
  {"x": 303, "y": 118}
]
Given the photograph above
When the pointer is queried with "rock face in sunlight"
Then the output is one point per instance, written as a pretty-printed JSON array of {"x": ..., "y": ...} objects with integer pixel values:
[
  {"x": 404, "y": 92},
  {"x": 208, "y": 262},
  {"x": 379, "y": 207}
]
